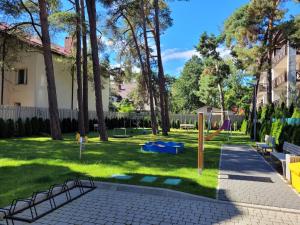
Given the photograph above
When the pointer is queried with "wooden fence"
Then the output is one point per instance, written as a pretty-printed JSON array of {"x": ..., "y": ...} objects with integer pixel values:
[{"x": 16, "y": 112}]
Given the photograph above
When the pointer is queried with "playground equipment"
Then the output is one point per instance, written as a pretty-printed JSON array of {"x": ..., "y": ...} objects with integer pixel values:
[
  {"x": 225, "y": 126},
  {"x": 163, "y": 147},
  {"x": 121, "y": 133}
]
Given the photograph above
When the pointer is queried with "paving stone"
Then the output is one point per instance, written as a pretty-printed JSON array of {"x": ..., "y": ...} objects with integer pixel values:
[{"x": 245, "y": 177}]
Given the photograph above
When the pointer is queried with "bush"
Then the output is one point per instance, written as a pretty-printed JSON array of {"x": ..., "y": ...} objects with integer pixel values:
[
  {"x": 42, "y": 125},
  {"x": 20, "y": 128},
  {"x": 10, "y": 124},
  {"x": 276, "y": 130},
  {"x": 74, "y": 125},
  {"x": 3, "y": 129},
  {"x": 244, "y": 126},
  {"x": 35, "y": 126},
  {"x": 28, "y": 127},
  {"x": 296, "y": 136},
  {"x": 296, "y": 113}
]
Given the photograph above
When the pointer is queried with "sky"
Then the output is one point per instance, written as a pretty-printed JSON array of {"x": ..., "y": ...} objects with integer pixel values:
[{"x": 190, "y": 19}]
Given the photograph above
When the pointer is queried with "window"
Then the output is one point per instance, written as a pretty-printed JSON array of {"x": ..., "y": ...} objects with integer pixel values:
[
  {"x": 22, "y": 76},
  {"x": 17, "y": 103}
]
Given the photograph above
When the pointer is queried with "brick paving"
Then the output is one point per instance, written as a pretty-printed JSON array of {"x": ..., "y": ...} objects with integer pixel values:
[
  {"x": 120, "y": 207},
  {"x": 246, "y": 177}
]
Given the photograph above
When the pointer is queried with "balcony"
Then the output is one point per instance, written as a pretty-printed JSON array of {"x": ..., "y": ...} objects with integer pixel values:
[
  {"x": 262, "y": 88},
  {"x": 279, "y": 55},
  {"x": 279, "y": 80}
]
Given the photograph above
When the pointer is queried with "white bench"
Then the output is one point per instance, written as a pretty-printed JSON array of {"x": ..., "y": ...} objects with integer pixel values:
[
  {"x": 269, "y": 144},
  {"x": 288, "y": 151},
  {"x": 187, "y": 126}
]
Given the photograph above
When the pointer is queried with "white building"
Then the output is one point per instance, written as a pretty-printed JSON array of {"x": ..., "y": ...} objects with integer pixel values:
[
  {"x": 285, "y": 76},
  {"x": 26, "y": 83}
]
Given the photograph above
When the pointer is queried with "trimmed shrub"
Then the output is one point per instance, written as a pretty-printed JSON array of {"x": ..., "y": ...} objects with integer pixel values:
[
  {"x": 20, "y": 128},
  {"x": 3, "y": 129},
  {"x": 296, "y": 136},
  {"x": 28, "y": 127},
  {"x": 42, "y": 125},
  {"x": 35, "y": 126},
  {"x": 296, "y": 113},
  {"x": 10, "y": 124},
  {"x": 244, "y": 126},
  {"x": 276, "y": 130}
]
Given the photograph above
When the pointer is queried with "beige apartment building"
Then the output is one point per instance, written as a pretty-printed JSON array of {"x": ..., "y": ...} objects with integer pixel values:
[
  {"x": 25, "y": 82},
  {"x": 285, "y": 76}
]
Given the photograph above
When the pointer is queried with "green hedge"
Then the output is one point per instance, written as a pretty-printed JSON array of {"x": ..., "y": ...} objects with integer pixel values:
[{"x": 244, "y": 126}]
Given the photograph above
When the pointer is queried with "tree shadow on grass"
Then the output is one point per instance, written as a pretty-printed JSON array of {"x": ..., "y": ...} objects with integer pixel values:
[{"x": 21, "y": 181}]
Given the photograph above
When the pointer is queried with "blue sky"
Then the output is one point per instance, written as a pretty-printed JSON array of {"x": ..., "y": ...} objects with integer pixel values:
[{"x": 190, "y": 20}]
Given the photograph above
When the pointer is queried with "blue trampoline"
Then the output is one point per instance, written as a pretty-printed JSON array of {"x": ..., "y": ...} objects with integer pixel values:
[{"x": 163, "y": 147}]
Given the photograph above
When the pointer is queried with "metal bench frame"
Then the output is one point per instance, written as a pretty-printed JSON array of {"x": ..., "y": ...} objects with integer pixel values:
[
  {"x": 268, "y": 144},
  {"x": 11, "y": 212}
]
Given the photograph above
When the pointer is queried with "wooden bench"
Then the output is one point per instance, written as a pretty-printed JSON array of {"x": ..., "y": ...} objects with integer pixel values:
[
  {"x": 288, "y": 150},
  {"x": 269, "y": 144},
  {"x": 187, "y": 126}
]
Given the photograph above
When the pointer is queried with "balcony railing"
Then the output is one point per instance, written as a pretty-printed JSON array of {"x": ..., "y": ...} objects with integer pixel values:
[
  {"x": 279, "y": 55},
  {"x": 262, "y": 88},
  {"x": 279, "y": 80}
]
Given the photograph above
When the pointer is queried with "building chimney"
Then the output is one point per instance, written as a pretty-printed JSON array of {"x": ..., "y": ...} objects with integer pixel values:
[{"x": 69, "y": 43}]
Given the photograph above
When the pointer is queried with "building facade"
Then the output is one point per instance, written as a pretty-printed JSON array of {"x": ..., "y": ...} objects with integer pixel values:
[
  {"x": 285, "y": 77},
  {"x": 25, "y": 83}
]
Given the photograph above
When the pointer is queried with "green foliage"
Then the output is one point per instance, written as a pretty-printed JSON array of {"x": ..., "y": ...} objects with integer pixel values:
[
  {"x": 296, "y": 136},
  {"x": 244, "y": 126},
  {"x": 28, "y": 127},
  {"x": 3, "y": 128},
  {"x": 125, "y": 106},
  {"x": 10, "y": 128},
  {"x": 276, "y": 130},
  {"x": 20, "y": 128},
  {"x": 296, "y": 113},
  {"x": 208, "y": 92},
  {"x": 35, "y": 126},
  {"x": 184, "y": 92}
]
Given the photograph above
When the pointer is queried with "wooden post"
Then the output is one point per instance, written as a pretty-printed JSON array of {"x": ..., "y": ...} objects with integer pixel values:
[{"x": 200, "y": 142}]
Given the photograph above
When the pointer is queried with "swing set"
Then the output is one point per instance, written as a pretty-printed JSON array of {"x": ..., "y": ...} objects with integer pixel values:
[
  {"x": 201, "y": 137},
  {"x": 225, "y": 126}
]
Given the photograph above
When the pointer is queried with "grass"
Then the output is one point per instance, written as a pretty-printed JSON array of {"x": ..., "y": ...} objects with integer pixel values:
[{"x": 32, "y": 164}]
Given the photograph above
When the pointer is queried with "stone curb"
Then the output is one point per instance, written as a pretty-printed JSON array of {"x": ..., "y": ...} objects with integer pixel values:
[{"x": 182, "y": 195}]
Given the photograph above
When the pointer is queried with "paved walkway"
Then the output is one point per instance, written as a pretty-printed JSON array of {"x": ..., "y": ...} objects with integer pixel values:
[
  {"x": 103, "y": 206},
  {"x": 246, "y": 177}
]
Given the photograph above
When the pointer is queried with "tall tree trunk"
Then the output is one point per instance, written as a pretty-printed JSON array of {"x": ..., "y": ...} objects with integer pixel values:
[
  {"x": 3, "y": 69},
  {"x": 78, "y": 71},
  {"x": 91, "y": 8},
  {"x": 163, "y": 95},
  {"x": 270, "y": 51},
  {"x": 72, "y": 86},
  {"x": 221, "y": 92},
  {"x": 85, "y": 83},
  {"x": 143, "y": 67},
  {"x": 149, "y": 72},
  {"x": 52, "y": 98}
]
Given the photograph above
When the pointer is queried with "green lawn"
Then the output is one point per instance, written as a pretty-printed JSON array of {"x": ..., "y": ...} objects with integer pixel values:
[{"x": 32, "y": 164}]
